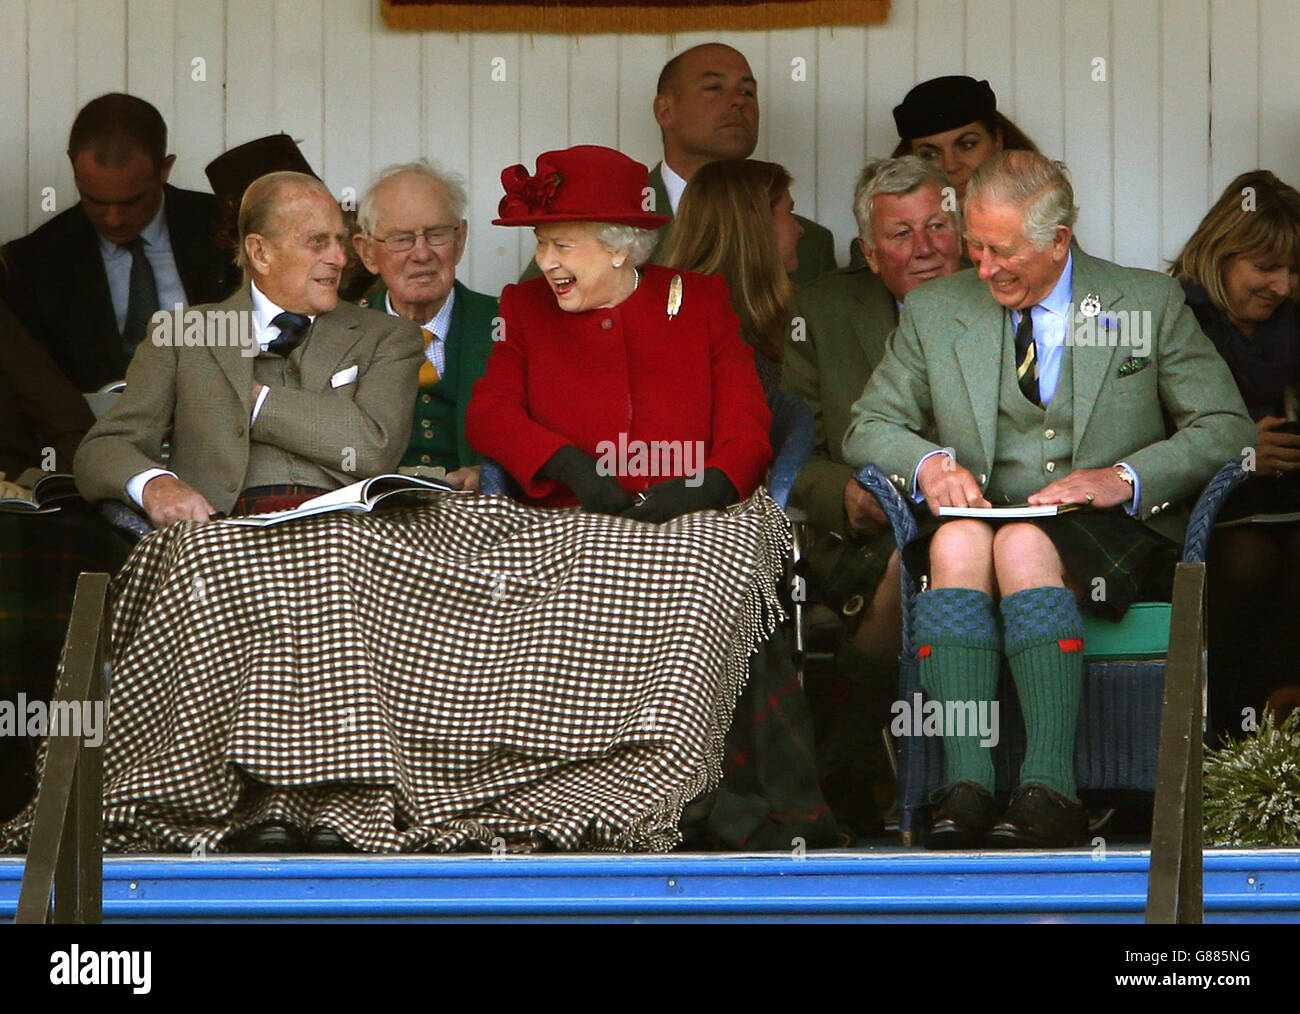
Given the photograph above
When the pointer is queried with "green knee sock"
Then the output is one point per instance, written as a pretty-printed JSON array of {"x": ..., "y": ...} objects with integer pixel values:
[
  {"x": 960, "y": 652},
  {"x": 1044, "y": 644}
]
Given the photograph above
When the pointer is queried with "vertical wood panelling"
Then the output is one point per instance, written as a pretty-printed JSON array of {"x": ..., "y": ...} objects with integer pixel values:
[
  {"x": 1185, "y": 140},
  {"x": 358, "y": 97},
  {"x": 1234, "y": 94},
  {"x": 350, "y": 80},
  {"x": 16, "y": 136},
  {"x": 151, "y": 54},
  {"x": 593, "y": 104},
  {"x": 891, "y": 65},
  {"x": 100, "y": 63},
  {"x": 297, "y": 75},
  {"x": 841, "y": 99},
  {"x": 640, "y": 59},
  {"x": 197, "y": 131},
  {"x": 1088, "y": 85},
  {"x": 51, "y": 108},
  {"x": 791, "y": 110},
  {"x": 494, "y": 144},
  {"x": 396, "y": 113},
  {"x": 989, "y": 50},
  {"x": 940, "y": 31},
  {"x": 1135, "y": 71},
  {"x": 1279, "y": 78},
  {"x": 1036, "y": 26},
  {"x": 250, "y": 53}
]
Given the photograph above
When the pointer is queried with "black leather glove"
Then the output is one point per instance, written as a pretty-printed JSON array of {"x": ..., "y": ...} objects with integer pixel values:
[
  {"x": 600, "y": 494},
  {"x": 673, "y": 497}
]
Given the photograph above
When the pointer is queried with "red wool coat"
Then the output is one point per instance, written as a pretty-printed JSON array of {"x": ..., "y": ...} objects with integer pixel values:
[{"x": 627, "y": 373}]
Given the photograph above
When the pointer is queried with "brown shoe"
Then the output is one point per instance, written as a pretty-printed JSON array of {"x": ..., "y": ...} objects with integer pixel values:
[
  {"x": 1040, "y": 818},
  {"x": 964, "y": 817}
]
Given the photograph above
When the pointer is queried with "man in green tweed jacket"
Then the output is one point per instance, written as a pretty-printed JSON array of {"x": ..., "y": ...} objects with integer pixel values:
[
  {"x": 413, "y": 231},
  {"x": 1044, "y": 376},
  {"x": 841, "y": 323}
]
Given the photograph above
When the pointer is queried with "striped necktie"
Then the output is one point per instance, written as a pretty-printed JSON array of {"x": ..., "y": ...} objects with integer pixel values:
[
  {"x": 428, "y": 372},
  {"x": 1027, "y": 357}
]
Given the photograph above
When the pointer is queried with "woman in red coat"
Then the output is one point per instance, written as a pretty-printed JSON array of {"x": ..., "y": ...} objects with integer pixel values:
[{"x": 618, "y": 385}]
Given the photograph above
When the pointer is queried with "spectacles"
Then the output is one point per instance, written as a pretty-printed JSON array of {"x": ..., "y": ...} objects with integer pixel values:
[{"x": 400, "y": 242}]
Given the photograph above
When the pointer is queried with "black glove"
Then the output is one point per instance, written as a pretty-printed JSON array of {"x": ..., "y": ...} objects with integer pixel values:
[
  {"x": 600, "y": 494},
  {"x": 673, "y": 498}
]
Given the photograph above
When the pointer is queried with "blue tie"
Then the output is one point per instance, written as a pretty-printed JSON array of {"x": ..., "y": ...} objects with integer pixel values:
[{"x": 293, "y": 327}]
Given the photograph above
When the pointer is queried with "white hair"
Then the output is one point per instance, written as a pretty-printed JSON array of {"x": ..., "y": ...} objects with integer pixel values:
[
  {"x": 1032, "y": 182},
  {"x": 452, "y": 183},
  {"x": 903, "y": 175},
  {"x": 636, "y": 242}
]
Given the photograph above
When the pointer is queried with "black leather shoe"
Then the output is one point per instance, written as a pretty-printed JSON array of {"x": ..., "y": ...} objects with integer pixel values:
[
  {"x": 325, "y": 839},
  {"x": 964, "y": 817},
  {"x": 273, "y": 836},
  {"x": 1040, "y": 818}
]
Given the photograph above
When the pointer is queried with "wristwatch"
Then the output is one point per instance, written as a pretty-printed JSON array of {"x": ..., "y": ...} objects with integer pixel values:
[{"x": 1125, "y": 474}]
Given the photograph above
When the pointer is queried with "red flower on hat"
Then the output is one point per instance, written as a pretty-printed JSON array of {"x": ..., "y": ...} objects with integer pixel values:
[{"x": 526, "y": 195}]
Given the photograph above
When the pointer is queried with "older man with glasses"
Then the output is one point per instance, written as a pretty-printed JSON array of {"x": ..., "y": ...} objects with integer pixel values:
[{"x": 413, "y": 230}]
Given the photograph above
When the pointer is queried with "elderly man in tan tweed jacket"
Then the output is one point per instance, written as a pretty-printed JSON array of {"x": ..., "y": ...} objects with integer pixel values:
[{"x": 293, "y": 392}]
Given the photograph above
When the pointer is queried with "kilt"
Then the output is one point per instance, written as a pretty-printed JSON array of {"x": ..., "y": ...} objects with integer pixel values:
[
  {"x": 268, "y": 499},
  {"x": 41, "y": 557},
  {"x": 1136, "y": 563},
  {"x": 433, "y": 677}
]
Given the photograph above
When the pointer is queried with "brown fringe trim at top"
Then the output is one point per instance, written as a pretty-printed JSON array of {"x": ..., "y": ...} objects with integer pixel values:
[{"x": 581, "y": 17}]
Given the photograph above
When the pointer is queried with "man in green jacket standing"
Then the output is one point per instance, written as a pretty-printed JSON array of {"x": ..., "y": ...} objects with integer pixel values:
[{"x": 413, "y": 229}]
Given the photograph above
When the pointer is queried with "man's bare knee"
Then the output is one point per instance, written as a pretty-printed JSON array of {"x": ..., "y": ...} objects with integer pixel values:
[
  {"x": 1024, "y": 557},
  {"x": 961, "y": 555}
]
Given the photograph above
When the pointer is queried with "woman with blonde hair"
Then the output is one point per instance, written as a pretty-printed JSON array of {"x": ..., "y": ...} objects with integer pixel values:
[
  {"x": 736, "y": 220},
  {"x": 1239, "y": 270}
]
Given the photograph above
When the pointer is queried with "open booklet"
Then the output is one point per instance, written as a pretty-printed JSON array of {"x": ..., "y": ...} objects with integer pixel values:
[
  {"x": 363, "y": 496},
  {"x": 37, "y": 492},
  {"x": 1018, "y": 511}
]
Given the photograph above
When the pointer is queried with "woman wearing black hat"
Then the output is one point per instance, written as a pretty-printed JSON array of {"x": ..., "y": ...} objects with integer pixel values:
[{"x": 955, "y": 121}]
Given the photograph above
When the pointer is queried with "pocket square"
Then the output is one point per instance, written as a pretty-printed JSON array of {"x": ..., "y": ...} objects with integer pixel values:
[
  {"x": 1133, "y": 364},
  {"x": 344, "y": 377}
]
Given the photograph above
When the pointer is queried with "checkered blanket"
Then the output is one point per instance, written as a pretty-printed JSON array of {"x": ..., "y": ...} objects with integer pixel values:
[{"x": 468, "y": 672}]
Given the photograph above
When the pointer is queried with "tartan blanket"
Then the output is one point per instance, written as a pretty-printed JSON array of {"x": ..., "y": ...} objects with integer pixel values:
[{"x": 465, "y": 672}]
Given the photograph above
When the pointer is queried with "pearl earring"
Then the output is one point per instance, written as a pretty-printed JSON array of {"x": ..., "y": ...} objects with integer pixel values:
[{"x": 618, "y": 264}]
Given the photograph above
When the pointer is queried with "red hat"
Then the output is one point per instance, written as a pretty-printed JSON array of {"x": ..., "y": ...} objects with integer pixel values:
[{"x": 585, "y": 183}]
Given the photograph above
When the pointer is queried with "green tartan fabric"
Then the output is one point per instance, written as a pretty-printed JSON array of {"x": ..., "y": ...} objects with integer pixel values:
[
  {"x": 769, "y": 798},
  {"x": 41, "y": 557},
  {"x": 1135, "y": 562}
]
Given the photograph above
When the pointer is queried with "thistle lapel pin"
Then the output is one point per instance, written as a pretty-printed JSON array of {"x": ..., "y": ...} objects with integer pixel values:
[{"x": 1091, "y": 305}]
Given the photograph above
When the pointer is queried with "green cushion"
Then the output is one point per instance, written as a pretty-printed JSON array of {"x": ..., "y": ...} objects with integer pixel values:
[{"x": 1143, "y": 633}]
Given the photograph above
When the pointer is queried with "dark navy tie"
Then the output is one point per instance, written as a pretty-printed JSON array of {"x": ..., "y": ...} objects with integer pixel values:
[
  {"x": 142, "y": 296},
  {"x": 293, "y": 327}
]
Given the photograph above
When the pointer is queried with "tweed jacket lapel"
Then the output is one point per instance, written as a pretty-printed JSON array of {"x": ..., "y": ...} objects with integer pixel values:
[
  {"x": 237, "y": 366},
  {"x": 321, "y": 355},
  {"x": 1090, "y": 365},
  {"x": 979, "y": 357}
]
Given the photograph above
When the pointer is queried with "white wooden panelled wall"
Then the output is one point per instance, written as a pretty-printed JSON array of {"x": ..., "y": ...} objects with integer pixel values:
[{"x": 1191, "y": 92}]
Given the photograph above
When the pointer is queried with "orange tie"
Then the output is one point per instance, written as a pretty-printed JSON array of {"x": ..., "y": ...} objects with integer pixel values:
[{"x": 428, "y": 372}]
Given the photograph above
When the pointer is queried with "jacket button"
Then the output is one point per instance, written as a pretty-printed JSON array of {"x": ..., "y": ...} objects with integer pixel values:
[
  {"x": 426, "y": 398},
  {"x": 425, "y": 459},
  {"x": 1050, "y": 466},
  {"x": 854, "y": 605},
  {"x": 428, "y": 434},
  {"x": 983, "y": 479},
  {"x": 606, "y": 323},
  {"x": 1049, "y": 434},
  {"x": 1155, "y": 509}
]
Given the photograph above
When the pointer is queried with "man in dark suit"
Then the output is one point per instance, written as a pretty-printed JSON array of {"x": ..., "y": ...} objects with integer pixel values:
[
  {"x": 413, "y": 231},
  {"x": 311, "y": 395},
  {"x": 706, "y": 105},
  {"x": 132, "y": 245}
]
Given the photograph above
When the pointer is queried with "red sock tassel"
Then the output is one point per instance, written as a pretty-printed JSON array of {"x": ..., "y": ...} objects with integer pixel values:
[{"x": 1071, "y": 644}]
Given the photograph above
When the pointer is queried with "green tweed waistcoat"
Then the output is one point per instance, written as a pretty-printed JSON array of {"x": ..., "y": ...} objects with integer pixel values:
[{"x": 1033, "y": 444}]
